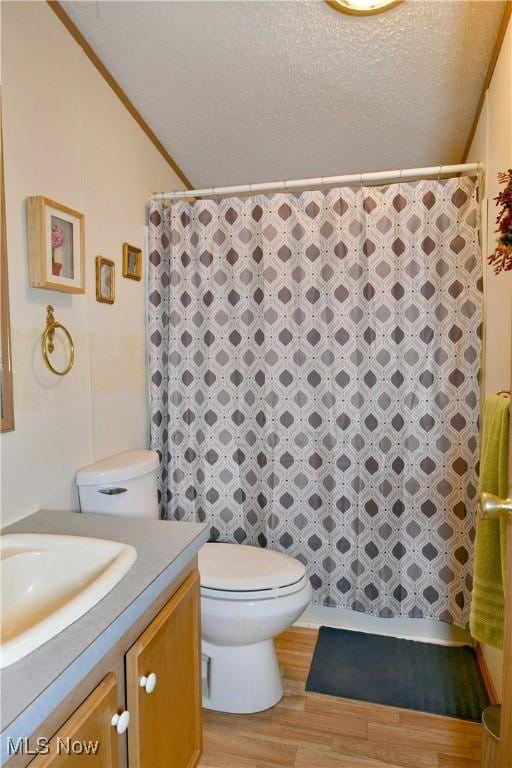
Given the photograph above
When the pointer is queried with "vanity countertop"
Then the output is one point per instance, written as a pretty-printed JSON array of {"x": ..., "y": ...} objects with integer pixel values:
[{"x": 35, "y": 685}]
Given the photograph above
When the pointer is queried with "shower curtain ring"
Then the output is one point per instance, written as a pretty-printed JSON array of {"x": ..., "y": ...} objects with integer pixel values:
[{"x": 439, "y": 174}]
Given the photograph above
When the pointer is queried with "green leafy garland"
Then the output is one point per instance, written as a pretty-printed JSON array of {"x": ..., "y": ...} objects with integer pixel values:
[{"x": 501, "y": 259}]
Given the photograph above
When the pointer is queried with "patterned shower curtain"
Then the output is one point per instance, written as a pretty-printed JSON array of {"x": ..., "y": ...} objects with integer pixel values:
[{"x": 314, "y": 364}]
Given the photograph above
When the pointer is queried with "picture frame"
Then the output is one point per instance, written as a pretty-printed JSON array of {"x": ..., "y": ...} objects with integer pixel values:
[
  {"x": 56, "y": 246},
  {"x": 105, "y": 280},
  {"x": 132, "y": 262}
]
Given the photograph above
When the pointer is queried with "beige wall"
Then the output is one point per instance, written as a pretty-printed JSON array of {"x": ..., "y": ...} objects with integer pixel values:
[
  {"x": 68, "y": 137},
  {"x": 493, "y": 143}
]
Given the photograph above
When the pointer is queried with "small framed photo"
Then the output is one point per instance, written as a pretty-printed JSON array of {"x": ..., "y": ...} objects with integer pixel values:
[
  {"x": 55, "y": 246},
  {"x": 132, "y": 262},
  {"x": 105, "y": 280}
]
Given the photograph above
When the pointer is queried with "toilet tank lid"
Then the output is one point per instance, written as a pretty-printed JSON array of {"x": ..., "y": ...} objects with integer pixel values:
[{"x": 115, "y": 469}]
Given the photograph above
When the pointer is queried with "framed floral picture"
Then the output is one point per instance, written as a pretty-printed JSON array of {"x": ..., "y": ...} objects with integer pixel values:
[
  {"x": 132, "y": 262},
  {"x": 55, "y": 246},
  {"x": 105, "y": 280}
]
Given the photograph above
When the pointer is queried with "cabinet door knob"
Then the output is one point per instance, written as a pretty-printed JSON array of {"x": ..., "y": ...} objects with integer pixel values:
[
  {"x": 121, "y": 722},
  {"x": 148, "y": 682}
]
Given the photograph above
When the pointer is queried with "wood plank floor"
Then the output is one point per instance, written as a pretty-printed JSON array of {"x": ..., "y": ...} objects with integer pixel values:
[{"x": 310, "y": 730}]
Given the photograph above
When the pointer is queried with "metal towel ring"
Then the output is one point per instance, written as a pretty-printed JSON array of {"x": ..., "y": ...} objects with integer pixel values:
[{"x": 47, "y": 345}]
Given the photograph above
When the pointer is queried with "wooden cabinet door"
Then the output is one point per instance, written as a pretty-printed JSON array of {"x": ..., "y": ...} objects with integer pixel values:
[
  {"x": 165, "y": 728},
  {"x": 87, "y": 739}
]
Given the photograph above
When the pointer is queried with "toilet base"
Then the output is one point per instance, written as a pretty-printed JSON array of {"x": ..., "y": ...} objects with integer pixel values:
[{"x": 242, "y": 678}]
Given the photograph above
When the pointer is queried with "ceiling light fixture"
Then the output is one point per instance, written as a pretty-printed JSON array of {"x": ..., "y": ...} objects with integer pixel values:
[{"x": 362, "y": 7}]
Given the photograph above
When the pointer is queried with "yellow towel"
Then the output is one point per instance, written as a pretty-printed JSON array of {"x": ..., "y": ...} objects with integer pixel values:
[{"x": 487, "y": 605}]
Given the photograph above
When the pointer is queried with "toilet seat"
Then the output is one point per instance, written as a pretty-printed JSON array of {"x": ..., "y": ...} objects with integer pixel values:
[
  {"x": 238, "y": 572},
  {"x": 255, "y": 594}
]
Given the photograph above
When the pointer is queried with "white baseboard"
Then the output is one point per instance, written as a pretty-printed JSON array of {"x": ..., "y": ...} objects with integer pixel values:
[{"x": 422, "y": 630}]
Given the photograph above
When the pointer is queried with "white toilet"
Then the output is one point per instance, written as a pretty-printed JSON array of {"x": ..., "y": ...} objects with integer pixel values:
[{"x": 248, "y": 595}]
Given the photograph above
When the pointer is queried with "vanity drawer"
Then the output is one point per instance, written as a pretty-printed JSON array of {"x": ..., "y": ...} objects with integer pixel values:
[{"x": 88, "y": 739}]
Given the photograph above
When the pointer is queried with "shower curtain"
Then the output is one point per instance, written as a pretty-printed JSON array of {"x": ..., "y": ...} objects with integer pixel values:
[{"x": 314, "y": 365}]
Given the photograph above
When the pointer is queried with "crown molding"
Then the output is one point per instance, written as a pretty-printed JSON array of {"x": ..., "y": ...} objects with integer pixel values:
[
  {"x": 94, "y": 58},
  {"x": 488, "y": 77}
]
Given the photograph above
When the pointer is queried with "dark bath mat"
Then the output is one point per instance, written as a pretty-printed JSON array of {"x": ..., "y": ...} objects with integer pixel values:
[{"x": 439, "y": 679}]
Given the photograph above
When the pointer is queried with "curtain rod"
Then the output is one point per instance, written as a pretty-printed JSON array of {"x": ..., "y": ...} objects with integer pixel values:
[{"x": 322, "y": 181}]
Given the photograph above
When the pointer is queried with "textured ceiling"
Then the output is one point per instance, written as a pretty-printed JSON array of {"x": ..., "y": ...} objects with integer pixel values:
[{"x": 240, "y": 92}]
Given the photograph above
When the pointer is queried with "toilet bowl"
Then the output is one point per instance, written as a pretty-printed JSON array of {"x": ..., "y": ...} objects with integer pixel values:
[{"x": 248, "y": 596}]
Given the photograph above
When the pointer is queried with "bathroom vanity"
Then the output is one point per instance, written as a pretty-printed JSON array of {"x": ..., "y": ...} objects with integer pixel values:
[{"x": 127, "y": 674}]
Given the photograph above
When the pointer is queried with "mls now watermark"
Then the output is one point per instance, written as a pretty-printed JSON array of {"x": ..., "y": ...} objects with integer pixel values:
[{"x": 41, "y": 746}]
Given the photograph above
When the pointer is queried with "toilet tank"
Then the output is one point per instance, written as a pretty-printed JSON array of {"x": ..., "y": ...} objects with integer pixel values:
[{"x": 124, "y": 484}]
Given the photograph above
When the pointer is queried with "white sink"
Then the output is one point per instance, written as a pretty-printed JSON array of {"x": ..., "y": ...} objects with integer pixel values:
[{"x": 49, "y": 581}]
